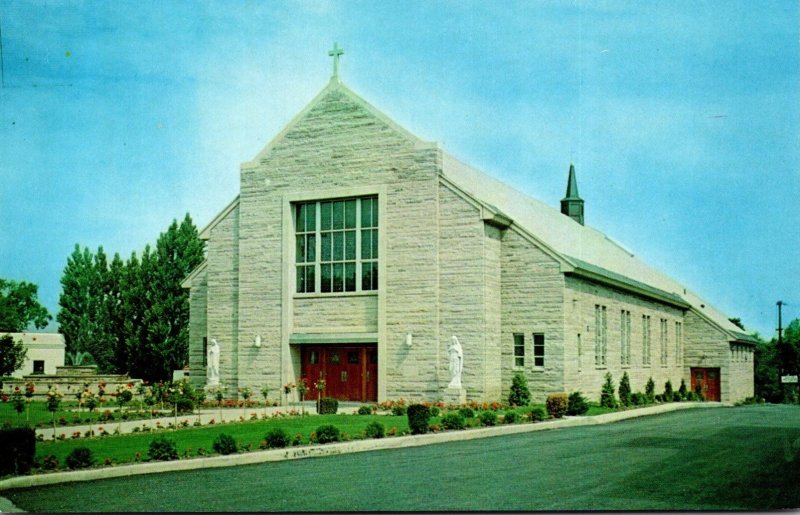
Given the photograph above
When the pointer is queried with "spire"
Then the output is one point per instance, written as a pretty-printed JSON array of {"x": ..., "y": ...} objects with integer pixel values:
[{"x": 572, "y": 204}]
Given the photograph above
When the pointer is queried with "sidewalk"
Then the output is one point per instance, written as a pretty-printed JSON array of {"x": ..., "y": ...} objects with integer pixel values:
[{"x": 205, "y": 415}]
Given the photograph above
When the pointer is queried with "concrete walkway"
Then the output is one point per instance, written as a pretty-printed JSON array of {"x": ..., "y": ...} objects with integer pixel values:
[
  {"x": 308, "y": 451},
  {"x": 205, "y": 415}
]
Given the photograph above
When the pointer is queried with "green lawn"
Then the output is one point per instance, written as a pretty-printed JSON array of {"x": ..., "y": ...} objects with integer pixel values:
[
  {"x": 743, "y": 458},
  {"x": 40, "y": 417}
]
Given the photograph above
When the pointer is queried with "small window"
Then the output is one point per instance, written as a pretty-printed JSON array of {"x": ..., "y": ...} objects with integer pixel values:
[
  {"x": 334, "y": 358},
  {"x": 353, "y": 357},
  {"x": 519, "y": 350},
  {"x": 313, "y": 358},
  {"x": 538, "y": 350},
  {"x": 38, "y": 366}
]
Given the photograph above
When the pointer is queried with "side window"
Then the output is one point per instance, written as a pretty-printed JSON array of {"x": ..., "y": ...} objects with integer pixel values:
[
  {"x": 538, "y": 350},
  {"x": 519, "y": 350}
]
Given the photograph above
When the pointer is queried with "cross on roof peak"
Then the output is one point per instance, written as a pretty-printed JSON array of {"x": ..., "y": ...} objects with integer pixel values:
[{"x": 335, "y": 52}]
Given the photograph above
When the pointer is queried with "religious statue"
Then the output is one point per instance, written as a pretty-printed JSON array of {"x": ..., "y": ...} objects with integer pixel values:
[
  {"x": 213, "y": 363},
  {"x": 456, "y": 358}
]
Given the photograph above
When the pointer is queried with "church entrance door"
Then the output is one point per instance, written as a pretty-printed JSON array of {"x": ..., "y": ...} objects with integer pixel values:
[
  {"x": 350, "y": 371},
  {"x": 708, "y": 379}
]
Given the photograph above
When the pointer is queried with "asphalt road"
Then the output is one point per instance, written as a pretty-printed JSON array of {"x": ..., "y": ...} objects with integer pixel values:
[{"x": 744, "y": 458}]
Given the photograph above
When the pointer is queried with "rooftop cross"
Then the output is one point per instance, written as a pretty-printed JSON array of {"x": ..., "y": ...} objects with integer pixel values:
[{"x": 335, "y": 53}]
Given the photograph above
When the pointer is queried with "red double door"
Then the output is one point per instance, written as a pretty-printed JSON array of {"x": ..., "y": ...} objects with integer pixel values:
[
  {"x": 708, "y": 379},
  {"x": 350, "y": 371}
]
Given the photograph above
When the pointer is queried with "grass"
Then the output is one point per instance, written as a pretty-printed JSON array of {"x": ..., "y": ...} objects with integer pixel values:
[
  {"x": 745, "y": 458},
  {"x": 123, "y": 448}
]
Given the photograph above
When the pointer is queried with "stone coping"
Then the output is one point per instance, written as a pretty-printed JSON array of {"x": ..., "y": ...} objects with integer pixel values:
[{"x": 310, "y": 451}]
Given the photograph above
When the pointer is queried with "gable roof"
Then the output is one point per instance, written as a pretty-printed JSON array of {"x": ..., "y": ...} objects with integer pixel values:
[{"x": 590, "y": 253}]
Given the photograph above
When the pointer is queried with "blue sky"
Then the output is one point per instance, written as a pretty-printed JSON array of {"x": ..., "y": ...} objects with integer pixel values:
[{"x": 682, "y": 119}]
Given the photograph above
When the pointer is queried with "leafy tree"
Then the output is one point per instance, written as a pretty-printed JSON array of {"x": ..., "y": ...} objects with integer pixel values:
[
  {"x": 74, "y": 316},
  {"x": 19, "y": 307},
  {"x": 12, "y": 355},
  {"x": 737, "y": 322}
]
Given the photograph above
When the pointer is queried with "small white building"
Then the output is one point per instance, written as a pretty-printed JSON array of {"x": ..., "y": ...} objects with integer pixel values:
[{"x": 45, "y": 353}]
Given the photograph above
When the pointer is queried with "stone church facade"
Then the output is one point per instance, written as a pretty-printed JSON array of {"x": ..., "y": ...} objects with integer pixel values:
[{"x": 355, "y": 251}]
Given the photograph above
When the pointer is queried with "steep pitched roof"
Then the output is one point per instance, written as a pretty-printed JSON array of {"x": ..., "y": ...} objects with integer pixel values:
[{"x": 586, "y": 251}]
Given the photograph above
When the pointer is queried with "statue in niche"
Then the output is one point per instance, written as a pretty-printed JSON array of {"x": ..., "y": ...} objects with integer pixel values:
[
  {"x": 213, "y": 363},
  {"x": 456, "y": 365}
]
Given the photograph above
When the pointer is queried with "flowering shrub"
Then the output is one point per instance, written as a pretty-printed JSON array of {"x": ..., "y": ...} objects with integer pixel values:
[
  {"x": 557, "y": 404},
  {"x": 298, "y": 439}
]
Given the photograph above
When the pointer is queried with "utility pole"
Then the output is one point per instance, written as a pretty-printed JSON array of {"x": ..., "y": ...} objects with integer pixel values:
[{"x": 780, "y": 323}]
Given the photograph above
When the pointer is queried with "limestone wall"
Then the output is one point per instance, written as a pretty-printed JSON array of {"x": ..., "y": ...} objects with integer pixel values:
[
  {"x": 338, "y": 314},
  {"x": 198, "y": 328},
  {"x": 532, "y": 302},
  {"x": 582, "y": 372}
]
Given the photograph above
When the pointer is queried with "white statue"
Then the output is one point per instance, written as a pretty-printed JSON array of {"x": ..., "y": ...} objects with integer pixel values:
[
  {"x": 456, "y": 358},
  {"x": 213, "y": 363}
]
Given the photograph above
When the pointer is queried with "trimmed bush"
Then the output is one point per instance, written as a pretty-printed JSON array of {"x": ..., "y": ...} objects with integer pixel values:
[
  {"x": 698, "y": 392},
  {"x": 398, "y": 410},
  {"x": 637, "y": 399},
  {"x": 667, "y": 391},
  {"x": 17, "y": 450},
  {"x": 80, "y": 458},
  {"x": 520, "y": 395},
  {"x": 607, "y": 398},
  {"x": 676, "y": 397},
  {"x": 277, "y": 438},
  {"x": 682, "y": 390},
  {"x": 650, "y": 390},
  {"x": 577, "y": 405},
  {"x": 625, "y": 390},
  {"x": 418, "y": 416},
  {"x": 365, "y": 410},
  {"x": 328, "y": 406},
  {"x": 557, "y": 404},
  {"x": 434, "y": 410},
  {"x": 50, "y": 462},
  {"x": 467, "y": 412},
  {"x": 488, "y": 418},
  {"x": 162, "y": 449},
  {"x": 375, "y": 430},
  {"x": 225, "y": 444},
  {"x": 328, "y": 433},
  {"x": 453, "y": 420},
  {"x": 537, "y": 414},
  {"x": 510, "y": 417}
]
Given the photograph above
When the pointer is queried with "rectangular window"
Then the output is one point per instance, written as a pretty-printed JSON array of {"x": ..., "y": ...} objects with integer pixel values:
[
  {"x": 645, "y": 341},
  {"x": 600, "y": 340},
  {"x": 538, "y": 350},
  {"x": 663, "y": 342},
  {"x": 519, "y": 350},
  {"x": 625, "y": 337},
  {"x": 678, "y": 343},
  {"x": 38, "y": 366},
  {"x": 336, "y": 245}
]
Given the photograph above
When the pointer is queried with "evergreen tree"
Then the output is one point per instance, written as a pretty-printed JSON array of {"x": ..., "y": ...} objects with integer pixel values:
[
  {"x": 650, "y": 391},
  {"x": 520, "y": 395},
  {"x": 607, "y": 398},
  {"x": 625, "y": 390}
]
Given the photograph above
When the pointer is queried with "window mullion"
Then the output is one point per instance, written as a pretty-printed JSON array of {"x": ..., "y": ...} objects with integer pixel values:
[
  {"x": 358, "y": 244},
  {"x": 317, "y": 247}
]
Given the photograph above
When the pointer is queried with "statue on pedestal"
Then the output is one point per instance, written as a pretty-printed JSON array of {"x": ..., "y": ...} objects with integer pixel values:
[
  {"x": 213, "y": 363},
  {"x": 456, "y": 365}
]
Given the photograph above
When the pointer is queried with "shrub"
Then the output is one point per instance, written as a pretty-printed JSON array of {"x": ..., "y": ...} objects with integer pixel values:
[
  {"x": 467, "y": 412},
  {"x": 453, "y": 420},
  {"x": 50, "y": 462},
  {"x": 667, "y": 391},
  {"x": 577, "y": 405},
  {"x": 399, "y": 410},
  {"x": 434, "y": 410},
  {"x": 185, "y": 405},
  {"x": 225, "y": 444},
  {"x": 650, "y": 391},
  {"x": 607, "y": 398},
  {"x": 17, "y": 450},
  {"x": 698, "y": 392},
  {"x": 162, "y": 449},
  {"x": 365, "y": 410},
  {"x": 682, "y": 390},
  {"x": 375, "y": 430},
  {"x": 328, "y": 433},
  {"x": 510, "y": 417},
  {"x": 276, "y": 438},
  {"x": 488, "y": 418},
  {"x": 537, "y": 414},
  {"x": 637, "y": 398},
  {"x": 328, "y": 406},
  {"x": 80, "y": 458},
  {"x": 676, "y": 397},
  {"x": 418, "y": 416},
  {"x": 520, "y": 395},
  {"x": 557, "y": 404},
  {"x": 625, "y": 390}
]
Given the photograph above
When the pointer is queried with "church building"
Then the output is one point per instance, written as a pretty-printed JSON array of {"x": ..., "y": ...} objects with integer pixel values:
[{"x": 356, "y": 252}]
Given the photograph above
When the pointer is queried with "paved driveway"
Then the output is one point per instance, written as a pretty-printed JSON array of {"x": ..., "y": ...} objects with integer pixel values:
[{"x": 745, "y": 458}]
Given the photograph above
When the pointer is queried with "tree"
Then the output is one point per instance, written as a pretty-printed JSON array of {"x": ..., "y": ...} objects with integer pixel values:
[
  {"x": 607, "y": 398},
  {"x": 737, "y": 322},
  {"x": 19, "y": 307},
  {"x": 625, "y": 390},
  {"x": 519, "y": 395},
  {"x": 766, "y": 371},
  {"x": 12, "y": 355}
]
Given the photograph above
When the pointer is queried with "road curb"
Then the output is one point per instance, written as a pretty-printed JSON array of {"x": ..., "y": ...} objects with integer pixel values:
[{"x": 311, "y": 451}]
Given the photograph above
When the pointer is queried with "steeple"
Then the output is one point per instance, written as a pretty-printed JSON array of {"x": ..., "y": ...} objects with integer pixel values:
[{"x": 572, "y": 204}]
